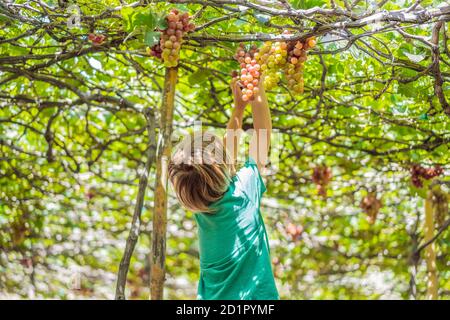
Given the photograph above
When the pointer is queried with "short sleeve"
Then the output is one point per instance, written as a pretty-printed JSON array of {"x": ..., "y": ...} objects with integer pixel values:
[{"x": 250, "y": 181}]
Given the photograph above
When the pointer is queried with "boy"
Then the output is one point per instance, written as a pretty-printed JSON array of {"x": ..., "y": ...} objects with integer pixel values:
[{"x": 234, "y": 249}]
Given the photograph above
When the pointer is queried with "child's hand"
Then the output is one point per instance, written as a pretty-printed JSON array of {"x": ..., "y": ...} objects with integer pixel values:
[
  {"x": 239, "y": 103},
  {"x": 260, "y": 92}
]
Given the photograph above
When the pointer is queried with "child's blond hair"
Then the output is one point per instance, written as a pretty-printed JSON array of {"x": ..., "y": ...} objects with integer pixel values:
[{"x": 200, "y": 171}]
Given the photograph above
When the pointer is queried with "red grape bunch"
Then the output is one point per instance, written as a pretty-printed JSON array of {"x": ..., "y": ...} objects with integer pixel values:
[
  {"x": 321, "y": 176},
  {"x": 169, "y": 46},
  {"x": 371, "y": 205},
  {"x": 249, "y": 71},
  {"x": 418, "y": 173},
  {"x": 295, "y": 63},
  {"x": 96, "y": 39},
  {"x": 155, "y": 51}
]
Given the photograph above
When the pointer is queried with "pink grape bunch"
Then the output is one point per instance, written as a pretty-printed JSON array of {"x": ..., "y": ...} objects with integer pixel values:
[
  {"x": 178, "y": 24},
  {"x": 249, "y": 74}
]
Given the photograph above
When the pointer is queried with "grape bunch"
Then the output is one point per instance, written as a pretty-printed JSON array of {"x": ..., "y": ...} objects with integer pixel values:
[
  {"x": 440, "y": 205},
  {"x": 169, "y": 46},
  {"x": 272, "y": 58},
  {"x": 278, "y": 268},
  {"x": 155, "y": 51},
  {"x": 288, "y": 56},
  {"x": 321, "y": 176},
  {"x": 418, "y": 173},
  {"x": 249, "y": 71},
  {"x": 294, "y": 231},
  {"x": 295, "y": 63},
  {"x": 371, "y": 205},
  {"x": 96, "y": 39}
]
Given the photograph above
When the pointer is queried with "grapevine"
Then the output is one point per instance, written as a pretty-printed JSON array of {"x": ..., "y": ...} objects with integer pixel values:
[
  {"x": 418, "y": 173},
  {"x": 169, "y": 46},
  {"x": 440, "y": 205},
  {"x": 155, "y": 51},
  {"x": 96, "y": 39},
  {"x": 272, "y": 58},
  {"x": 321, "y": 176},
  {"x": 288, "y": 56},
  {"x": 295, "y": 63},
  {"x": 371, "y": 205}
]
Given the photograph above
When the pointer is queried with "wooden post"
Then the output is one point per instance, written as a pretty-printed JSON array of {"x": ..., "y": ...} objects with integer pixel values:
[
  {"x": 430, "y": 251},
  {"x": 158, "y": 254}
]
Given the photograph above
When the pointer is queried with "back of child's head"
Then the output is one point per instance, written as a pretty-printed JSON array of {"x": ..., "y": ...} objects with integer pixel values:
[{"x": 200, "y": 171}]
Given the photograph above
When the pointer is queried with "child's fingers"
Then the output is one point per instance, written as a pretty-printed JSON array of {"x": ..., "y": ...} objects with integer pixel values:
[
  {"x": 236, "y": 87},
  {"x": 233, "y": 85}
]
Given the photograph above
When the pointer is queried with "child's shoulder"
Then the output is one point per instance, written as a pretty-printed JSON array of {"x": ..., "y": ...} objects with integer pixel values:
[{"x": 249, "y": 180}]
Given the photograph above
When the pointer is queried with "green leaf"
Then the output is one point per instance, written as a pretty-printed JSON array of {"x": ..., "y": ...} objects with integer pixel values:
[
  {"x": 239, "y": 22},
  {"x": 306, "y": 4},
  {"x": 140, "y": 18},
  {"x": 151, "y": 38},
  {"x": 48, "y": 112},
  {"x": 421, "y": 192},
  {"x": 345, "y": 111},
  {"x": 161, "y": 23},
  {"x": 127, "y": 15},
  {"x": 4, "y": 18},
  {"x": 145, "y": 19},
  {"x": 407, "y": 89},
  {"x": 441, "y": 150},
  {"x": 198, "y": 77}
]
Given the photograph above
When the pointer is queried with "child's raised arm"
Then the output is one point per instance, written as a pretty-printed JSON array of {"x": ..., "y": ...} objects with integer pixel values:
[
  {"x": 234, "y": 125},
  {"x": 262, "y": 123}
]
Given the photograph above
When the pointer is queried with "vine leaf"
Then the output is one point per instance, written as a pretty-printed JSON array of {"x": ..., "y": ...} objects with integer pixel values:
[
  {"x": 161, "y": 23},
  {"x": 198, "y": 77},
  {"x": 127, "y": 15},
  {"x": 151, "y": 38},
  {"x": 145, "y": 19},
  {"x": 306, "y": 4}
]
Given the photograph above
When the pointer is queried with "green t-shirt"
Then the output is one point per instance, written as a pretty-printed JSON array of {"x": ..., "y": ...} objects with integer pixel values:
[{"x": 234, "y": 248}]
